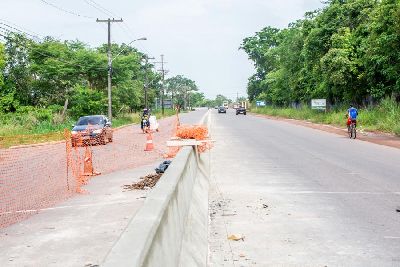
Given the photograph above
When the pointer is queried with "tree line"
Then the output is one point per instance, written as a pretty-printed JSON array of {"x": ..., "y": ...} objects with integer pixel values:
[
  {"x": 346, "y": 52},
  {"x": 53, "y": 74}
]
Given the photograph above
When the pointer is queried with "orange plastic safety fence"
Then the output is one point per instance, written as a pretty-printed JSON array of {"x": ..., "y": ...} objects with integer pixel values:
[
  {"x": 36, "y": 177},
  {"x": 198, "y": 132},
  {"x": 32, "y": 178}
]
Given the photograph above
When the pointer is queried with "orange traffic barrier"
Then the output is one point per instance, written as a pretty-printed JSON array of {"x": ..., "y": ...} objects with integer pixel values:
[
  {"x": 149, "y": 142},
  {"x": 88, "y": 169}
]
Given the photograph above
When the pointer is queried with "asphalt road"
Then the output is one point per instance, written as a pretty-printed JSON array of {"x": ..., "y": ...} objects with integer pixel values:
[{"x": 300, "y": 197}]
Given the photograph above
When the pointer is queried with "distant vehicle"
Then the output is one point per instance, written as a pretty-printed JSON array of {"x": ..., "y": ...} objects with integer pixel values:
[
  {"x": 225, "y": 104},
  {"x": 222, "y": 110},
  {"x": 235, "y": 106},
  {"x": 216, "y": 107},
  {"x": 92, "y": 129},
  {"x": 241, "y": 110}
]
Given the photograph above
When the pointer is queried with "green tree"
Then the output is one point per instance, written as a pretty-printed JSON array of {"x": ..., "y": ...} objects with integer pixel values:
[
  {"x": 2, "y": 64},
  {"x": 197, "y": 99},
  {"x": 18, "y": 77},
  {"x": 382, "y": 50},
  {"x": 178, "y": 87},
  {"x": 220, "y": 99}
]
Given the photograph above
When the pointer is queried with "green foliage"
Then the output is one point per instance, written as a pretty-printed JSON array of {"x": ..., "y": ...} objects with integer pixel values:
[
  {"x": 54, "y": 72},
  {"x": 39, "y": 78},
  {"x": 384, "y": 117},
  {"x": 85, "y": 101},
  {"x": 8, "y": 103},
  {"x": 2, "y": 64},
  {"x": 197, "y": 99},
  {"x": 178, "y": 87},
  {"x": 349, "y": 51}
]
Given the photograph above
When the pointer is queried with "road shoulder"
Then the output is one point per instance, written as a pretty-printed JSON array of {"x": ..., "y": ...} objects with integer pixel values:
[{"x": 372, "y": 137}]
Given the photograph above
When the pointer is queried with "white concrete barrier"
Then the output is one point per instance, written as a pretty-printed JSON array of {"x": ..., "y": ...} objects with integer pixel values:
[{"x": 172, "y": 226}]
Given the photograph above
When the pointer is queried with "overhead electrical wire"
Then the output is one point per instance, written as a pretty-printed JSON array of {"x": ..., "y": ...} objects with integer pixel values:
[
  {"x": 103, "y": 10},
  {"x": 20, "y": 29},
  {"x": 99, "y": 8},
  {"x": 65, "y": 10},
  {"x": 107, "y": 12},
  {"x": 92, "y": 3}
]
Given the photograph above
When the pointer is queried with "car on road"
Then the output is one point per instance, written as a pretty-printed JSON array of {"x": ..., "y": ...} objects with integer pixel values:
[
  {"x": 241, "y": 110},
  {"x": 221, "y": 109},
  {"x": 92, "y": 129}
]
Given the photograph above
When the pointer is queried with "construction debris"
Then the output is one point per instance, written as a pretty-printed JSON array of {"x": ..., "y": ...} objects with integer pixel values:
[
  {"x": 148, "y": 181},
  {"x": 163, "y": 166}
]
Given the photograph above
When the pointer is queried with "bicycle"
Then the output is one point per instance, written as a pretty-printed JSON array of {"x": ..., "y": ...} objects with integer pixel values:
[{"x": 351, "y": 129}]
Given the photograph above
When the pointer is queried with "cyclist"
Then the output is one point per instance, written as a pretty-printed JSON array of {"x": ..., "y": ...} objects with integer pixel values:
[{"x": 352, "y": 114}]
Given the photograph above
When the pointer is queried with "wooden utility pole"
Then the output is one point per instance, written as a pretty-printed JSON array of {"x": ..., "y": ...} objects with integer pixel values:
[
  {"x": 163, "y": 83},
  {"x": 109, "y": 21}
]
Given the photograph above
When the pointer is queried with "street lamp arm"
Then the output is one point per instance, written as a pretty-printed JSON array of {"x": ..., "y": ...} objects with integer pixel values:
[{"x": 122, "y": 50}]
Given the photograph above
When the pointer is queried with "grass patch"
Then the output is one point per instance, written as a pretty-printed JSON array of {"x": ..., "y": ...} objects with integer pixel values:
[{"x": 384, "y": 118}]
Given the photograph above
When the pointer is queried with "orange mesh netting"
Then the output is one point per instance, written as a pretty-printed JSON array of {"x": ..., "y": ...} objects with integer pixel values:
[
  {"x": 198, "y": 132},
  {"x": 36, "y": 177}
]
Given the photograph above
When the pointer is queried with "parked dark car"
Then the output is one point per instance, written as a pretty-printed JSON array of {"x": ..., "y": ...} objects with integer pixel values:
[
  {"x": 92, "y": 129},
  {"x": 221, "y": 110},
  {"x": 241, "y": 110}
]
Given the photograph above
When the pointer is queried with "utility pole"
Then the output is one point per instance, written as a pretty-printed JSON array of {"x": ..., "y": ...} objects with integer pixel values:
[
  {"x": 146, "y": 83},
  {"x": 162, "y": 86},
  {"x": 109, "y": 21}
]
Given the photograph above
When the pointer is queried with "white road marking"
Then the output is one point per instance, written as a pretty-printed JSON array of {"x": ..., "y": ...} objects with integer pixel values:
[{"x": 334, "y": 192}]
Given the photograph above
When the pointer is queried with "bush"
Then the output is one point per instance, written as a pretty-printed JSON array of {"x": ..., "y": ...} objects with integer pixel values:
[
  {"x": 384, "y": 117},
  {"x": 85, "y": 101}
]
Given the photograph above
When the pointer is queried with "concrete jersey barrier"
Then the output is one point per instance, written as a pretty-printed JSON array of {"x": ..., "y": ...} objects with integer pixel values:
[{"x": 172, "y": 226}]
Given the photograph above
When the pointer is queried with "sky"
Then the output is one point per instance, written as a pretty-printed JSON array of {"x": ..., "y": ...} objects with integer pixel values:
[{"x": 198, "y": 38}]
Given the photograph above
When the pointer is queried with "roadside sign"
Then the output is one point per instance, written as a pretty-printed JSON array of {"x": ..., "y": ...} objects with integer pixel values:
[
  {"x": 260, "y": 103},
  {"x": 318, "y": 104},
  {"x": 167, "y": 103}
]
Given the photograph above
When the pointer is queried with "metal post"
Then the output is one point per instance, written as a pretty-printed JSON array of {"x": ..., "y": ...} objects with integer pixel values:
[
  {"x": 109, "y": 71},
  {"x": 162, "y": 87}
]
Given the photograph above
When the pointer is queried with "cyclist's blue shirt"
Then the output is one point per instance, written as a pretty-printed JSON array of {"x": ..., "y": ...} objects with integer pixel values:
[{"x": 353, "y": 113}]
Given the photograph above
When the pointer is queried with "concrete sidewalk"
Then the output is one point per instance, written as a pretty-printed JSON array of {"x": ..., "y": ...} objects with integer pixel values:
[{"x": 81, "y": 230}]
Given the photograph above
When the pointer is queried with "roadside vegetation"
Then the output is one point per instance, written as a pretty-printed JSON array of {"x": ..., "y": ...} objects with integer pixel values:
[
  {"x": 383, "y": 118},
  {"x": 347, "y": 52},
  {"x": 47, "y": 84}
]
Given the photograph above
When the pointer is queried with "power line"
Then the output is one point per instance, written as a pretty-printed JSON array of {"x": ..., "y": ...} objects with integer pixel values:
[
  {"x": 124, "y": 26},
  {"x": 65, "y": 10},
  {"x": 100, "y": 8},
  {"x": 18, "y": 28}
]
